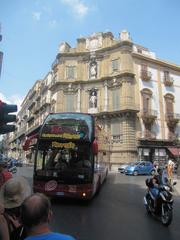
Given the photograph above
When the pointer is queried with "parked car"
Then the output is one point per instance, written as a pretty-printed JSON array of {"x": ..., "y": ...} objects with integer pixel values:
[{"x": 142, "y": 167}]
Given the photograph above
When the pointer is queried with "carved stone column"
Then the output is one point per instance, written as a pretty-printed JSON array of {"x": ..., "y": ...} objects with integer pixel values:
[
  {"x": 105, "y": 96},
  {"x": 79, "y": 100}
]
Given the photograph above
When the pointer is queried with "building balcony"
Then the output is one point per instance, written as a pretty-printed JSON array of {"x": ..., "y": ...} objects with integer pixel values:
[
  {"x": 149, "y": 135},
  {"x": 30, "y": 118},
  {"x": 21, "y": 131},
  {"x": 36, "y": 109},
  {"x": 168, "y": 81},
  {"x": 149, "y": 115},
  {"x": 55, "y": 63},
  {"x": 32, "y": 128},
  {"x": 125, "y": 104},
  {"x": 109, "y": 109},
  {"x": 116, "y": 138},
  {"x": 146, "y": 75},
  {"x": 44, "y": 88},
  {"x": 32, "y": 93},
  {"x": 44, "y": 102},
  {"x": 53, "y": 83},
  {"x": 31, "y": 105},
  {"x": 172, "y": 119}
]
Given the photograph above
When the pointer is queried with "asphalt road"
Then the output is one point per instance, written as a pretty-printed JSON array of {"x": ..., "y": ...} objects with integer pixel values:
[{"x": 117, "y": 212}]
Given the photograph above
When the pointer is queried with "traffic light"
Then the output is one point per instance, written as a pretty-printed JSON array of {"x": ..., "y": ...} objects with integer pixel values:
[{"x": 5, "y": 117}]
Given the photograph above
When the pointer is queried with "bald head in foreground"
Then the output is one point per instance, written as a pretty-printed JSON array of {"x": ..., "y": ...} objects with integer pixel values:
[{"x": 36, "y": 215}]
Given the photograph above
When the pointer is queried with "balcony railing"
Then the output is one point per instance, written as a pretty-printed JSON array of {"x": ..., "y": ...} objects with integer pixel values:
[
  {"x": 30, "y": 118},
  {"x": 146, "y": 75},
  {"x": 150, "y": 136},
  {"x": 31, "y": 104},
  {"x": 124, "y": 104},
  {"x": 44, "y": 88},
  {"x": 45, "y": 102},
  {"x": 172, "y": 119},
  {"x": 168, "y": 81},
  {"x": 149, "y": 115},
  {"x": 32, "y": 93},
  {"x": 36, "y": 108},
  {"x": 53, "y": 82},
  {"x": 116, "y": 138}
]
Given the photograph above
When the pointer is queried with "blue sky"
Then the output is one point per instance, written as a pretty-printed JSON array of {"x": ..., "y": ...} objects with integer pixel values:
[{"x": 33, "y": 29}]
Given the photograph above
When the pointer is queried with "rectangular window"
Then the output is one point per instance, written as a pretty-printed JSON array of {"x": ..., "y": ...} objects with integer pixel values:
[
  {"x": 166, "y": 75},
  {"x": 70, "y": 72},
  {"x": 146, "y": 103},
  {"x": 144, "y": 67},
  {"x": 116, "y": 132},
  {"x": 115, "y": 128},
  {"x": 115, "y": 65},
  {"x": 169, "y": 106},
  {"x": 115, "y": 99},
  {"x": 70, "y": 103}
]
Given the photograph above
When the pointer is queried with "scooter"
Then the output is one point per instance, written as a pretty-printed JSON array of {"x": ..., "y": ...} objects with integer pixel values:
[
  {"x": 163, "y": 209},
  {"x": 13, "y": 169}
]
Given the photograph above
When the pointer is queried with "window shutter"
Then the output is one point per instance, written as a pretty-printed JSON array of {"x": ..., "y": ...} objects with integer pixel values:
[
  {"x": 169, "y": 106},
  {"x": 115, "y": 128},
  {"x": 144, "y": 67},
  {"x": 145, "y": 103},
  {"x": 115, "y": 99},
  {"x": 115, "y": 65},
  {"x": 70, "y": 72},
  {"x": 70, "y": 103},
  {"x": 166, "y": 75}
]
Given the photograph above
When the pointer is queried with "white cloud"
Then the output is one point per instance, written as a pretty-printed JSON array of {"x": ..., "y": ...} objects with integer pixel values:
[
  {"x": 14, "y": 99},
  {"x": 36, "y": 16},
  {"x": 53, "y": 23},
  {"x": 77, "y": 6}
]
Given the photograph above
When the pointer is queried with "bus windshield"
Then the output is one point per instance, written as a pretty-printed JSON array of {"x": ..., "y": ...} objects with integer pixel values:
[
  {"x": 68, "y": 126},
  {"x": 63, "y": 156}
]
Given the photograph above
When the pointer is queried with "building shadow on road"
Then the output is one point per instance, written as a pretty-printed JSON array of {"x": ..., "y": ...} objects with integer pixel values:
[{"x": 116, "y": 212}]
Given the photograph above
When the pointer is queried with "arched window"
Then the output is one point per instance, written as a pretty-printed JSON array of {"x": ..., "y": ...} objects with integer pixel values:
[
  {"x": 169, "y": 104},
  {"x": 146, "y": 99}
]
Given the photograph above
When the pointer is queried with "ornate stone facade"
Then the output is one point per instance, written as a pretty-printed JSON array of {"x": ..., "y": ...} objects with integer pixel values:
[{"x": 133, "y": 95}]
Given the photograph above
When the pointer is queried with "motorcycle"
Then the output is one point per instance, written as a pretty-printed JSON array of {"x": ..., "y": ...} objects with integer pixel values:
[
  {"x": 13, "y": 169},
  {"x": 163, "y": 209}
]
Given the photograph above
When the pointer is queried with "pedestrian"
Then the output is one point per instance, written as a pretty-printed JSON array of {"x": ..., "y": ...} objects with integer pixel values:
[
  {"x": 170, "y": 169},
  {"x": 156, "y": 167},
  {"x": 4, "y": 173},
  {"x": 36, "y": 213},
  {"x": 12, "y": 194}
]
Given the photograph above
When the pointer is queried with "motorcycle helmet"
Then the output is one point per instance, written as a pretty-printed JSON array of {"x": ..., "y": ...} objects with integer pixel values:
[{"x": 160, "y": 171}]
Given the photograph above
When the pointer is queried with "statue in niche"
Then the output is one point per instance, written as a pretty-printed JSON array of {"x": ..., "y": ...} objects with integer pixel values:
[
  {"x": 93, "y": 70},
  {"x": 93, "y": 99}
]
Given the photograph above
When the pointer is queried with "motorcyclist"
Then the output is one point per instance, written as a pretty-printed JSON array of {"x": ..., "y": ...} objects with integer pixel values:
[{"x": 155, "y": 183}]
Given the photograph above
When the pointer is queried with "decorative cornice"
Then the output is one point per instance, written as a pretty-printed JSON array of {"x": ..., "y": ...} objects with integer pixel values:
[{"x": 157, "y": 61}]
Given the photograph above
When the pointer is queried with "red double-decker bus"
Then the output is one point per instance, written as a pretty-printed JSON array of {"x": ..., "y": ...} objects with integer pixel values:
[{"x": 69, "y": 162}]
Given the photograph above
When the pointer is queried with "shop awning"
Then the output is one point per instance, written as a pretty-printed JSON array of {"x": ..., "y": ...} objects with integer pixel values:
[
  {"x": 175, "y": 151},
  {"x": 29, "y": 141}
]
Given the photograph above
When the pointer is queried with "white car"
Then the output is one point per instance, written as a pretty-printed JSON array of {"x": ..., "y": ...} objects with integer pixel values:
[{"x": 122, "y": 168}]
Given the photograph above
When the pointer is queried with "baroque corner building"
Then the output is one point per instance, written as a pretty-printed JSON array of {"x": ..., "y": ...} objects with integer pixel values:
[
  {"x": 98, "y": 77},
  {"x": 133, "y": 95}
]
